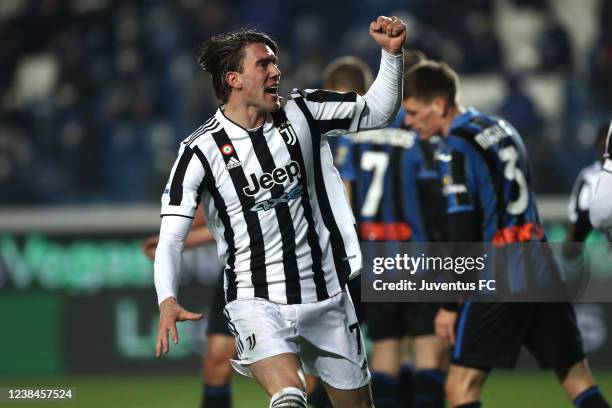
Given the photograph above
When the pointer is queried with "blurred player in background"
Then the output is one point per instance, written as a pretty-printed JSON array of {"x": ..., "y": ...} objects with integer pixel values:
[
  {"x": 216, "y": 368},
  {"x": 490, "y": 199},
  {"x": 394, "y": 188},
  {"x": 582, "y": 194},
  {"x": 601, "y": 204},
  {"x": 265, "y": 179},
  {"x": 345, "y": 74}
]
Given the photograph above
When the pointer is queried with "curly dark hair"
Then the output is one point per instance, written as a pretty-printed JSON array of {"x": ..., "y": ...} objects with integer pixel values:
[{"x": 224, "y": 52}]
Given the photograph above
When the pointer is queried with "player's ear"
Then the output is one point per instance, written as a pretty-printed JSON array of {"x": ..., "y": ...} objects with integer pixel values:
[
  {"x": 233, "y": 79},
  {"x": 440, "y": 106}
]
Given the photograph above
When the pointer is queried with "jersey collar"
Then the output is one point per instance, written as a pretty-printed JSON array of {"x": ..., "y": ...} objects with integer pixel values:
[
  {"x": 463, "y": 118},
  {"x": 234, "y": 130}
]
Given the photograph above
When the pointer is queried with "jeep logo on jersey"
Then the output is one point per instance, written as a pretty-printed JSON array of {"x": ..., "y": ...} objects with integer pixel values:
[{"x": 268, "y": 180}]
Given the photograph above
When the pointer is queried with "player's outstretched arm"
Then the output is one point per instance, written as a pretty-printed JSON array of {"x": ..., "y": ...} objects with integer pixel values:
[
  {"x": 171, "y": 312},
  {"x": 384, "y": 97},
  {"x": 167, "y": 264}
]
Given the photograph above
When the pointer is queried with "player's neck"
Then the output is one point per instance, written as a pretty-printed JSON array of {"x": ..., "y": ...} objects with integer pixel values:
[
  {"x": 245, "y": 116},
  {"x": 450, "y": 116}
]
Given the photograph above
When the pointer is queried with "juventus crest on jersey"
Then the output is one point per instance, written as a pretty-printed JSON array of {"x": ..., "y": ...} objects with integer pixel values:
[{"x": 275, "y": 203}]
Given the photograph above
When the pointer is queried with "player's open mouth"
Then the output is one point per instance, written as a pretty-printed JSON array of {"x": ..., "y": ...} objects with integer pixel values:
[{"x": 272, "y": 90}]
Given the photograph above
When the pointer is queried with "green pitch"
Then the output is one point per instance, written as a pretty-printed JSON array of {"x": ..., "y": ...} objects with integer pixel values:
[{"x": 504, "y": 389}]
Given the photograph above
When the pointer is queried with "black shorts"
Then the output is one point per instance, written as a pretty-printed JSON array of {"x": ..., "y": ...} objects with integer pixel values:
[
  {"x": 396, "y": 320},
  {"x": 491, "y": 335},
  {"x": 217, "y": 321}
]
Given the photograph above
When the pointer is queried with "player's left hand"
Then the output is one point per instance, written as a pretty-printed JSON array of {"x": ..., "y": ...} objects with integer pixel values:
[
  {"x": 444, "y": 324},
  {"x": 171, "y": 312},
  {"x": 389, "y": 33}
]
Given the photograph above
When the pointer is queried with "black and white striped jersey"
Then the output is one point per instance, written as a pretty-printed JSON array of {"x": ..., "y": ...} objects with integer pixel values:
[
  {"x": 582, "y": 192},
  {"x": 275, "y": 203}
]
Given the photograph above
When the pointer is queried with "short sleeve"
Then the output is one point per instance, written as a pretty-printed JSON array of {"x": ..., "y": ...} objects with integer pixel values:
[
  {"x": 335, "y": 113},
  {"x": 182, "y": 193}
]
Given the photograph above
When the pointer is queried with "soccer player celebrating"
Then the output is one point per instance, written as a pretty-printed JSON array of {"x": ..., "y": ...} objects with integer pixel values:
[
  {"x": 490, "y": 199},
  {"x": 266, "y": 180}
]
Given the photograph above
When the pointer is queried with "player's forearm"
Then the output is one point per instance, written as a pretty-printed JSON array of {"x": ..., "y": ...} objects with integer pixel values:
[
  {"x": 601, "y": 204},
  {"x": 198, "y": 236},
  {"x": 167, "y": 264},
  {"x": 384, "y": 97}
]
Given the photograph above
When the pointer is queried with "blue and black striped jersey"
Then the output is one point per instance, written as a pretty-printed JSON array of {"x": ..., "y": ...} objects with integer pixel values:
[
  {"x": 488, "y": 187},
  {"x": 396, "y": 192},
  {"x": 486, "y": 171}
]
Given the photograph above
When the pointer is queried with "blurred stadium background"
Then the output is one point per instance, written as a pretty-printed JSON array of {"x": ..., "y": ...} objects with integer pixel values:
[{"x": 96, "y": 94}]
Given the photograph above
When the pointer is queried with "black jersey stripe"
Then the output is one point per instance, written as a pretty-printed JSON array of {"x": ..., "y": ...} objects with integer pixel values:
[
  {"x": 322, "y": 95},
  {"x": 331, "y": 124},
  {"x": 213, "y": 128},
  {"x": 176, "y": 186},
  {"x": 398, "y": 181},
  {"x": 363, "y": 112},
  {"x": 208, "y": 125},
  {"x": 356, "y": 184},
  {"x": 375, "y": 147},
  {"x": 283, "y": 215},
  {"x": 256, "y": 241},
  {"x": 228, "y": 232},
  {"x": 198, "y": 131},
  {"x": 494, "y": 172},
  {"x": 176, "y": 215},
  {"x": 337, "y": 243},
  {"x": 295, "y": 151},
  {"x": 458, "y": 173},
  {"x": 432, "y": 202}
]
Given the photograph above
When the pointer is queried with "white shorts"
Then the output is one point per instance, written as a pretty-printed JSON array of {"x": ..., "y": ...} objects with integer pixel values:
[{"x": 325, "y": 336}]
